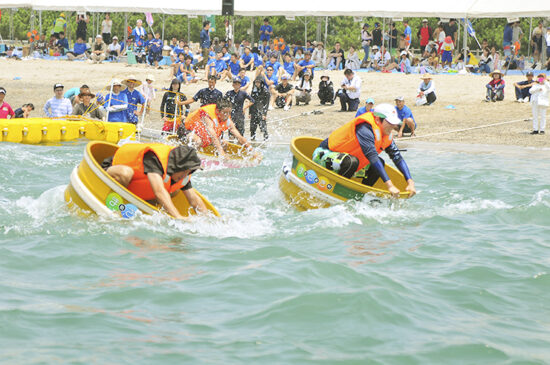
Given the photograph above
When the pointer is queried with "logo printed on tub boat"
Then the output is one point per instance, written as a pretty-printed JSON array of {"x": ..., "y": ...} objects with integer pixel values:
[
  {"x": 115, "y": 203},
  {"x": 311, "y": 177},
  {"x": 300, "y": 170}
]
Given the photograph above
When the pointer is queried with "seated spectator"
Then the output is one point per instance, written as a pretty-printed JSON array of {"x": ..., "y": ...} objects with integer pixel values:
[
  {"x": 290, "y": 67},
  {"x": 404, "y": 64},
  {"x": 24, "y": 111},
  {"x": 245, "y": 80},
  {"x": 433, "y": 60},
  {"x": 369, "y": 104},
  {"x": 114, "y": 50},
  {"x": 79, "y": 51},
  {"x": 99, "y": 50},
  {"x": 258, "y": 61},
  {"x": 58, "y": 106},
  {"x": 62, "y": 43},
  {"x": 405, "y": 115},
  {"x": 319, "y": 56},
  {"x": 306, "y": 65},
  {"x": 522, "y": 88},
  {"x": 495, "y": 88},
  {"x": 426, "y": 91},
  {"x": 6, "y": 112},
  {"x": 326, "y": 91},
  {"x": 336, "y": 58},
  {"x": 226, "y": 57},
  {"x": 299, "y": 55},
  {"x": 350, "y": 91},
  {"x": 247, "y": 60},
  {"x": 234, "y": 67},
  {"x": 304, "y": 88},
  {"x": 275, "y": 64},
  {"x": 87, "y": 108},
  {"x": 282, "y": 97},
  {"x": 41, "y": 46},
  {"x": 116, "y": 103},
  {"x": 264, "y": 48},
  {"x": 352, "y": 61},
  {"x": 176, "y": 50},
  {"x": 73, "y": 94},
  {"x": 155, "y": 51},
  {"x": 187, "y": 73},
  {"x": 382, "y": 59},
  {"x": 217, "y": 67}
]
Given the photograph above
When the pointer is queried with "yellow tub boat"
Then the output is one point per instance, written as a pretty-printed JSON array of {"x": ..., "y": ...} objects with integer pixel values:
[
  {"x": 92, "y": 190},
  {"x": 49, "y": 130},
  {"x": 308, "y": 185}
]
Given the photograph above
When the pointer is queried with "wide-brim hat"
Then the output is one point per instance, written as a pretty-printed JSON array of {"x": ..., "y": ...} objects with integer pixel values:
[
  {"x": 325, "y": 77},
  {"x": 150, "y": 77},
  {"x": 426, "y": 77},
  {"x": 116, "y": 82},
  {"x": 86, "y": 94},
  {"x": 131, "y": 78},
  {"x": 496, "y": 72}
]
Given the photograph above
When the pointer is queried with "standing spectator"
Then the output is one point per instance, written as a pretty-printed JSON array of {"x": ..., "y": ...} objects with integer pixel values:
[
  {"x": 58, "y": 106},
  {"x": 59, "y": 25},
  {"x": 350, "y": 91},
  {"x": 139, "y": 34},
  {"x": 392, "y": 41},
  {"x": 283, "y": 94},
  {"x": 319, "y": 55},
  {"x": 114, "y": 49},
  {"x": 522, "y": 88},
  {"x": 404, "y": 113},
  {"x": 116, "y": 103},
  {"x": 369, "y": 104},
  {"x": 208, "y": 95},
  {"x": 377, "y": 35},
  {"x": 304, "y": 88},
  {"x": 451, "y": 30},
  {"x": 5, "y": 108},
  {"x": 536, "y": 42},
  {"x": 106, "y": 26},
  {"x": 517, "y": 33},
  {"x": 336, "y": 57},
  {"x": 82, "y": 21},
  {"x": 228, "y": 31},
  {"x": 366, "y": 39},
  {"x": 447, "y": 55},
  {"x": 426, "y": 90},
  {"x": 307, "y": 65},
  {"x": 507, "y": 40},
  {"x": 205, "y": 43},
  {"x": 134, "y": 98},
  {"x": 495, "y": 88},
  {"x": 408, "y": 34},
  {"x": 99, "y": 50},
  {"x": 258, "y": 110},
  {"x": 237, "y": 97},
  {"x": 266, "y": 30},
  {"x": 155, "y": 51},
  {"x": 439, "y": 36},
  {"x": 352, "y": 62},
  {"x": 170, "y": 103},
  {"x": 148, "y": 91},
  {"x": 24, "y": 111},
  {"x": 539, "y": 102},
  {"x": 86, "y": 108},
  {"x": 424, "y": 34}
]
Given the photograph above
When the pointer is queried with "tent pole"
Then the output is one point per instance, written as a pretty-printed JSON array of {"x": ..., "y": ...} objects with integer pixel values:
[
  {"x": 188, "y": 30},
  {"x": 163, "y": 28},
  {"x": 305, "y": 31},
  {"x": 125, "y": 30},
  {"x": 465, "y": 40},
  {"x": 318, "y": 29},
  {"x": 326, "y": 30},
  {"x": 40, "y": 20},
  {"x": 252, "y": 29},
  {"x": 530, "y": 35},
  {"x": 11, "y": 24},
  {"x": 32, "y": 19}
]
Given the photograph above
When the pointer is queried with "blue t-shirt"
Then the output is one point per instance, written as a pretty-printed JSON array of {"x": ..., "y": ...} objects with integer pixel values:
[
  {"x": 205, "y": 38},
  {"x": 156, "y": 45},
  {"x": 257, "y": 60},
  {"x": 507, "y": 36},
  {"x": 246, "y": 58},
  {"x": 296, "y": 48},
  {"x": 139, "y": 36},
  {"x": 177, "y": 50},
  {"x": 235, "y": 67},
  {"x": 360, "y": 111},
  {"x": 226, "y": 57},
  {"x": 307, "y": 63},
  {"x": 276, "y": 65},
  {"x": 134, "y": 98},
  {"x": 244, "y": 81},
  {"x": 408, "y": 33},
  {"x": 405, "y": 113},
  {"x": 79, "y": 48},
  {"x": 218, "y": 65},
  {"x": 73, "y": 91},
  {"x": 263, "y": 49},
  {"x": 265, "y": 28},
  {"x": 273, "y": 78},
  {"x": 119, "y": 99},
  {"x": 289, "y": 67},
  {"x": 285, "y": 50},
  {"x": 63, "y": 43}
]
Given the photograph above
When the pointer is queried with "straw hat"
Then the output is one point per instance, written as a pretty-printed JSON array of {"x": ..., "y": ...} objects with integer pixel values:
[
  {"x": 132, "y": 78},
  {"x": 116, "y": 82},
  {"x": 496, "y": 72},
  {"x": 150, "y": 77},
  {"x": 426, "y": 77}
]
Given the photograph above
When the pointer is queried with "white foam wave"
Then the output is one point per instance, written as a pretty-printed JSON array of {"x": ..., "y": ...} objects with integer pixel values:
[{"x": 541, "y": 198}]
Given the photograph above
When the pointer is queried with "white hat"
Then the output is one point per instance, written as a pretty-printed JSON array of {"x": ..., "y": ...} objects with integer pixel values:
[
  {"x": 387, "y": 112},
  {"x": 98, "y": 36},
  {"x": 116, "y": 82},
  {"x": 513, "y": 20},
  {"x": 150, "y": 77},
  {"x": 403, "y": 53}
]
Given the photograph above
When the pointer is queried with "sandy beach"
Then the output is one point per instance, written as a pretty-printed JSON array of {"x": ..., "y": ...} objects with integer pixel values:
[{"x": 32, "y": 81}]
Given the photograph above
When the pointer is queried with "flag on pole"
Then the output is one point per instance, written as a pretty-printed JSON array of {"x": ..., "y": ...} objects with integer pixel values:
[
  {"x": 469, "y": 27},
  {"x": 149, "y": 19}
]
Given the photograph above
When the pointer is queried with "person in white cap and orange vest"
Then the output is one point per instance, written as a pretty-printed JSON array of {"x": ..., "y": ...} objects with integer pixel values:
[{"x": 354, "y": 148}]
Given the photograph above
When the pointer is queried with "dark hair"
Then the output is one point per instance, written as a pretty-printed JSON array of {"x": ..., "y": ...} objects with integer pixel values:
[
  {"x": 61, "y": 33},
  {"x": 348, "y": 72},
  {"x": 29, "y": 104},
  {"x": 212, "y": 77},
  {"x": 84, "y": 86},
  {"x": 242, "y": 69},
  {"x": 223, "y": 103},
  {"x": 188, "y": 57},
  {"x": 266, "y": 20},
  {"x": 175, "y": 81},
  {"x": 205, "y": 23}
]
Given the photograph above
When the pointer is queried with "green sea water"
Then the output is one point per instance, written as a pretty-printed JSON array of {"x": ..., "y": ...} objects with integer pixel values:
[{"x": 460, "y": 274}]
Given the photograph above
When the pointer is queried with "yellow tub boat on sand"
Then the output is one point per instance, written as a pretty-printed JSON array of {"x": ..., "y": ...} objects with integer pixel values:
[
  {"x": 93, "y": 190},
  {"x": 308, "y": 185},
  {"x": 51, "y": 130}
]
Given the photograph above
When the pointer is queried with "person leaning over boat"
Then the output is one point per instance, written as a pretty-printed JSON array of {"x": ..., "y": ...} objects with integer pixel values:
[
  {"x": 204, "y": 126},
  {"x": 354, "y": 148},
  {"x": 155, "y": 171}
]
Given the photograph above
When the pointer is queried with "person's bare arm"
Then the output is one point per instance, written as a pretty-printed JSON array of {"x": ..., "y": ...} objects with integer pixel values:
[
  {"x": 163, "y": 196},
  {"x": 209, "y": 124},
  {"x": 234, "y": 131},
  {"x": 195, "y": 201}
]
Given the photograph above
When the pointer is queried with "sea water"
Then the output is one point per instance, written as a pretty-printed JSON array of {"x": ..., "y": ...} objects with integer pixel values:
[{"x": 459, "y": 274}]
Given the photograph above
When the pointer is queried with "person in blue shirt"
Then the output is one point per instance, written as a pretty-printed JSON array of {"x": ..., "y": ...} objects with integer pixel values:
[
  {"x": 62, "y": 43},
  {"x": 234, "y": 66},
  {"x": 405, "y": 115},
  {"x": 506, "y": 39},
  {"x": 289, "y": 66},
  {"x": 369, "y": 105},
  {"x": 155, "y": 50},
  {"x": 266, "y": 30},
  {"x": 305, "y": 65},
  {"x": 134, "y": 99},
  {"x": 245, "y": 80},
  {"x": 176, "y": 50},
  {"x": 116, "y": 104},
  {"x": 138, "y": 34},
  {"x": 79, "y": 50},
  {"x": 205, "y": 43},
  {"x": 217, "y": 67},
  {"x": 263, "y": 48},
  {"x": 309, "y": 47},
  {"x": 274, "y": 64},
  {"x": 225, "y": 55},
  {"x": 258, "y": 61},
  {"x": 208, "y": 95},
  {"x": 408, "y": 34},
  {"x": 247, "y": 60}
]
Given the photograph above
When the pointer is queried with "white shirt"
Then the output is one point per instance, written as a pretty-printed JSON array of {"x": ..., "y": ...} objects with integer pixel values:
[
  {"x": 382, "y": 62},
  {"x": 229, "y": 32},
  {"x": 427, "y": 88},
  {"x": 319, "y": 56},
  {"x": 355, "y": 82},
  {"x": 106, "y": 26},
  {"x": 112, "y": 47},
  {"x": 539, "y": 94}
]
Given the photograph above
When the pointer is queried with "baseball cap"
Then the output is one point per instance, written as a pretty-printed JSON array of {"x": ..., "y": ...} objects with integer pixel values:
[
  {"x": 400, "y": 98},
  {"x": 115, "y": 37},
  {"x": 369, "y": 100},
  {"x": 387, "y": 112},
  {"x": 58, "y": 85},
  {"x": 2, "y": 90},
  {"x": 236, "y": 80},
  {"x": 424, "y": 20},
  {"x": 529, "y": 73}
]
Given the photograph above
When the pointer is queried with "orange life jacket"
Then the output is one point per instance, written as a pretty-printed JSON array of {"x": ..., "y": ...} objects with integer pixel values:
[
  {"x": 345, "y": 140},
  {"x": 194, "y": 123},
  {"x": 131, "y": 155}
]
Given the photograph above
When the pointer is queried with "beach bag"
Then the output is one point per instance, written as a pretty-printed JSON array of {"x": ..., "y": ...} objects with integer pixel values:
[{"x": 421, "y": 100}]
